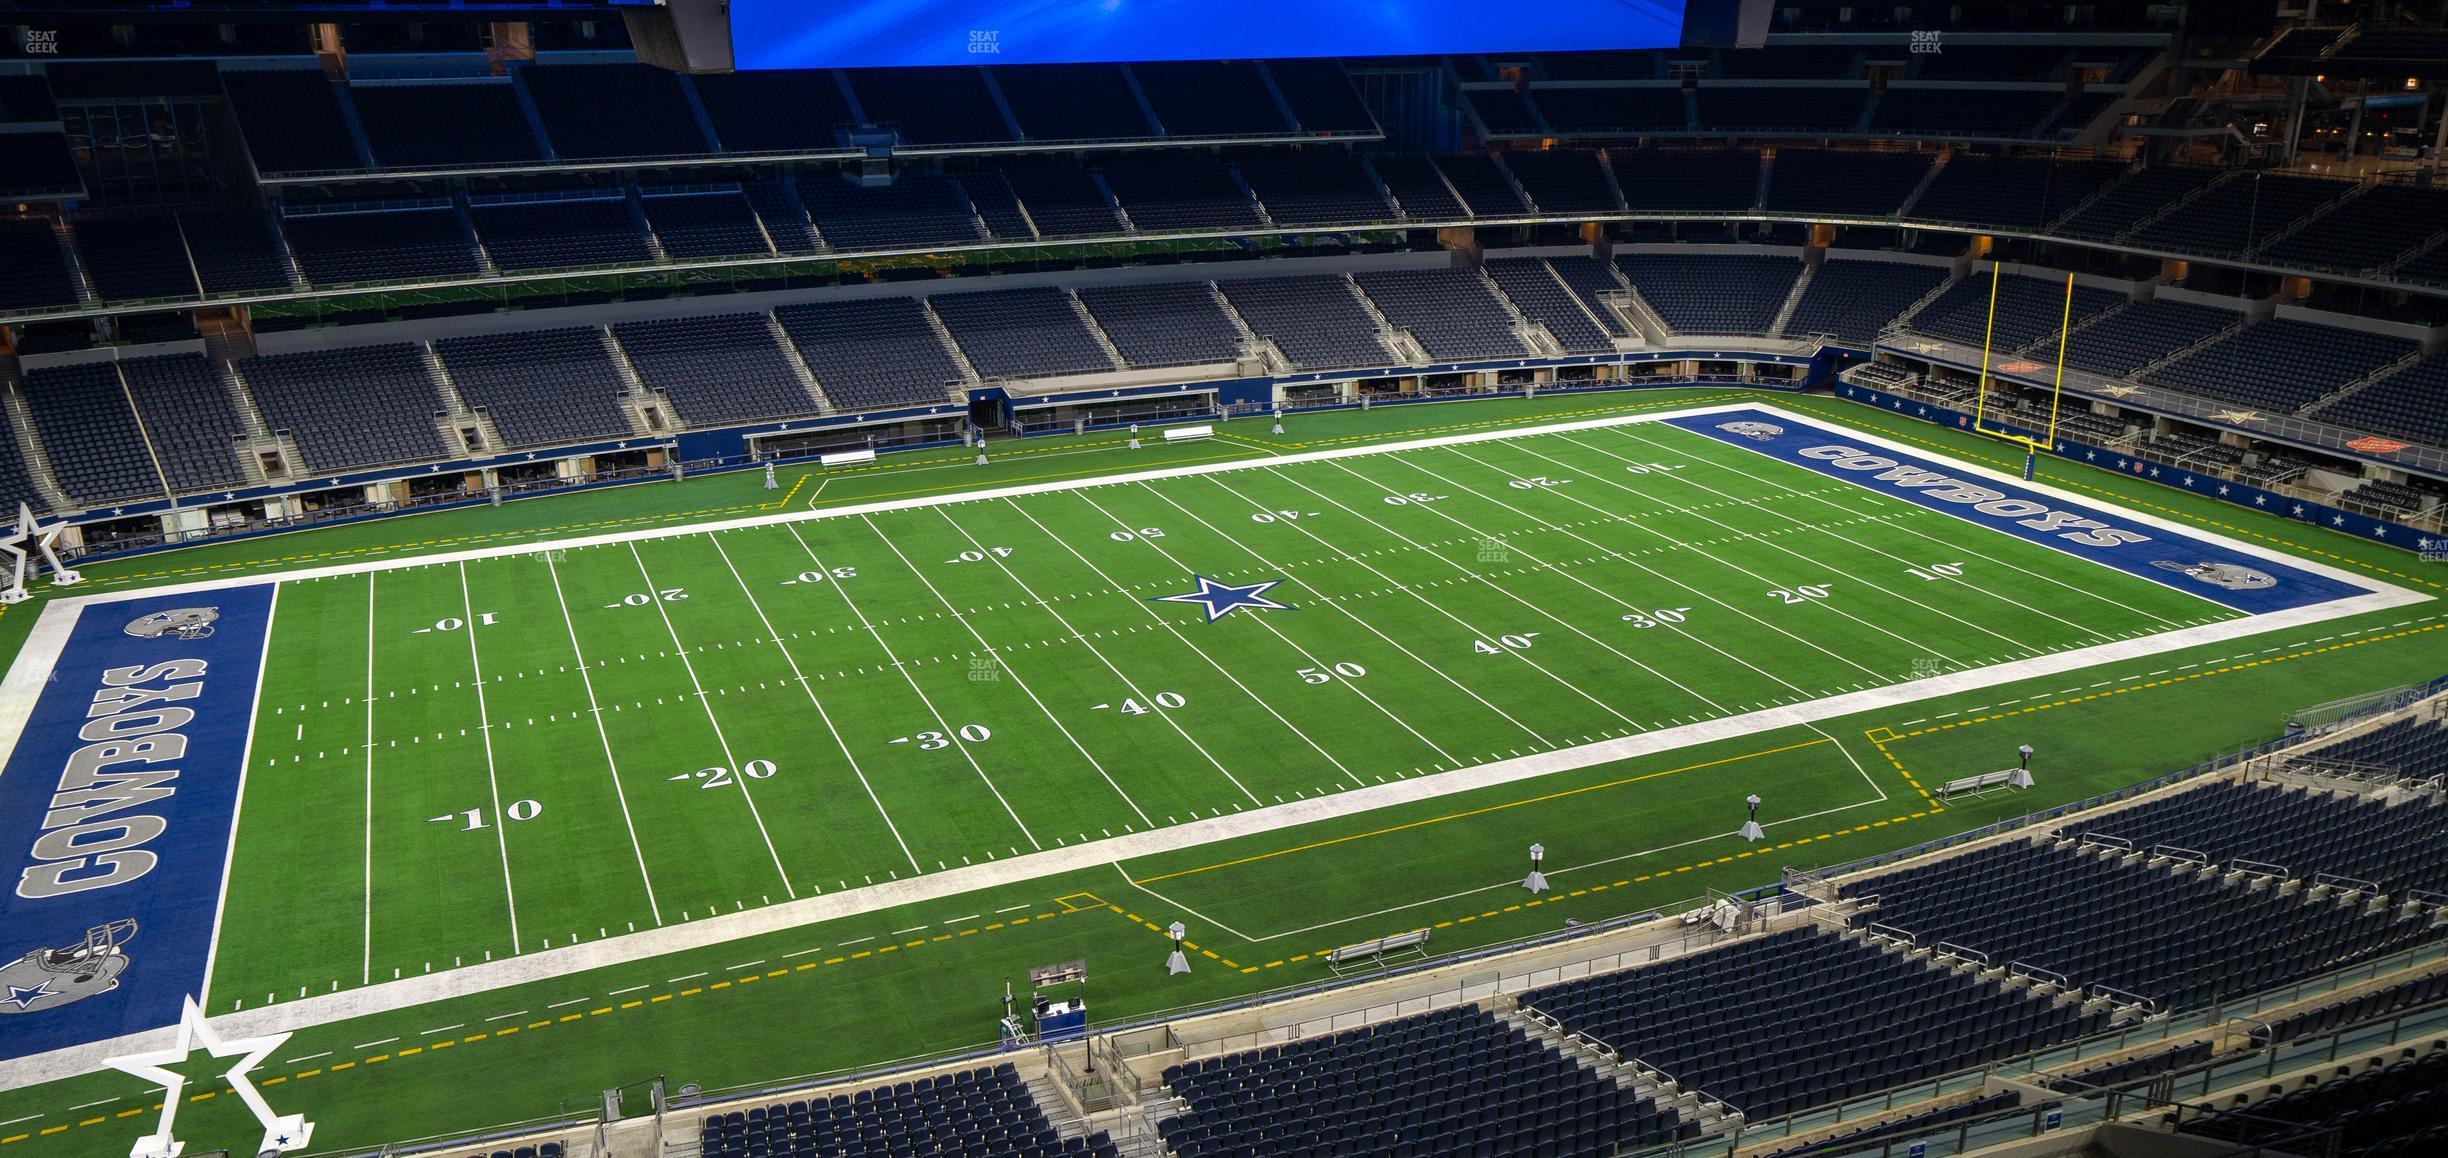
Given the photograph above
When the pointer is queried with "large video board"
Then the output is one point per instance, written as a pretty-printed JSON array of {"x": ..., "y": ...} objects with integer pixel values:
[{"x": 883, "y": 33}]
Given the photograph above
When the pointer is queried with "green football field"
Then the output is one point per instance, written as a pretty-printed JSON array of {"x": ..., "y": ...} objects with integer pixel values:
[
  {"x": 527, "y": 751},
  {"x": 527, "y": 820}
]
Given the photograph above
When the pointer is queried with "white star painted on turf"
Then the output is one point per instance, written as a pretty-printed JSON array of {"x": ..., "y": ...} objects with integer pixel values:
[
  {"x": 1222, "y": 599},
  {"x": 280, "y": 1133}
]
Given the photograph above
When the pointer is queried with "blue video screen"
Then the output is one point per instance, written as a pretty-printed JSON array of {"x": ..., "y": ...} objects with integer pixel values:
[{"x": 896, "y": 33}]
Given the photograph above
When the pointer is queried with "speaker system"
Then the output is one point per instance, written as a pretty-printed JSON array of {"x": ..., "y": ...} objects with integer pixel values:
[
  {"x": 681, "y": 35},
  {"x": 1726, "y": 23}
]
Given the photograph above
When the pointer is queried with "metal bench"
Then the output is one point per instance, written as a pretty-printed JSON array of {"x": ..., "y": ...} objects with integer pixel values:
[
  {"x": 1186, "y": 433},
  {"x": 1985, "y": 783},
  {"x": 1414, "y": 943},
  {"x": 845, "y": 458}
]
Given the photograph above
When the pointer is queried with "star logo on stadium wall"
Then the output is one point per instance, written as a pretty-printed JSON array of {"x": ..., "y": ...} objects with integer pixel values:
[
  {"x": 1222, "y": 599},
  {"x": 2235, "y": 416}
]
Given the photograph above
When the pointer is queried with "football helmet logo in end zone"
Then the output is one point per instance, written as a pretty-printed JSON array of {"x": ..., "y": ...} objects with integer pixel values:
[
  {"x": 46, "y": 979},
  {"x": 1758, "y": 431},
  {"x": 2226, "y": 575},
  {"x": 176, "y": 623}
]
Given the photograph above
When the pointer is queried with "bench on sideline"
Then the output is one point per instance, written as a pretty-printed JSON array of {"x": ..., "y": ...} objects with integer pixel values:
[
  {"x": 845, "y": 458},
  {"x": 1374, "y": 952},
  {"x": 1985, "y": 783}
]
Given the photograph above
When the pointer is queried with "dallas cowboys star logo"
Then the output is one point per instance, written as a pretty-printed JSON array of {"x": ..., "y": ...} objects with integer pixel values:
[
  {"x": 24, "y": 998},
  {"x": 1222, "y": 599}
]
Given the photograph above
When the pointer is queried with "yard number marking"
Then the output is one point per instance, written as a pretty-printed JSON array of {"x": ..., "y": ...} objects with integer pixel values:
[
  {"x": 473, "y": 820},
  {"x": 452, "y": 623},
  {"x": 719, "y": 777},
  {"x": 931, "y": 741}
]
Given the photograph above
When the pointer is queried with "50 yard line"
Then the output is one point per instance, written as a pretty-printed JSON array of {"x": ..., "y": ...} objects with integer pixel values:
[
  {"x": 501, "y": 826},
  {"x": 1195, "y": 649},
  {"x": 1338, "y": 605},
  {"x": 1304, "y": 652}
]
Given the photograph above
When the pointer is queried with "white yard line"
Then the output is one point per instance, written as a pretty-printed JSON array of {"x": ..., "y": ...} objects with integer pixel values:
[
  {"x": 1271, "y": 629},
  {"x": 44, "y": 649},
  {"x": 1878, "y": 500},
  {"x": 1394, "y": 585},
  {"x": 46, "y": 641},
  {"x": 367, "y": 971},
  {"x": 1703, "y": 552},
  {"x": 595, "y": 710},
  {"x": 246, "y": 756},
  {"x": 484, "y": 721},
  {"x": 1483, "y": 581},
  {"x": 653, "y": 596},
  {"x": 1170, "y": 629},
  {"x": 999, "y": 874},
  {"x": 1678, "y": 629},
  {"x": 1185, "y": 909},
  {"x": 988, "y": 554},
  {"x": 950, "y": 731},
  {"x": 1348, "y": 613},
  {"x": 809, "y": 686},
  {"x": 1764, "y": 541},
  {"x": 1602, "y": 592},
  {"x": 954, "y": 614}
]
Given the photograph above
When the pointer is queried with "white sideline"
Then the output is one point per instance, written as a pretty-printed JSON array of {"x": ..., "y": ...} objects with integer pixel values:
[{"x": 50, "y": 633}]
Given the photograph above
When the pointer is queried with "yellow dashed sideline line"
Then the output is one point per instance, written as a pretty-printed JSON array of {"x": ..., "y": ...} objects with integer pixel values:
[
  {"x": 1881, "y": 737},
  {"x": 471, "y": 1039},
  {"x": 1476, "y": 812}
]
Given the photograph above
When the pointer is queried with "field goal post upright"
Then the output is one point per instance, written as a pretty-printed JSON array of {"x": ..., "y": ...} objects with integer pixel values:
[{"x": 1980, "y": 399}]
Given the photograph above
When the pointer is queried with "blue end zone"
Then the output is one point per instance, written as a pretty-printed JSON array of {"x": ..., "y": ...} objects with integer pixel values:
[
  {"x": 116, "y": 806},
  {"x": 2245, "y": 582}
]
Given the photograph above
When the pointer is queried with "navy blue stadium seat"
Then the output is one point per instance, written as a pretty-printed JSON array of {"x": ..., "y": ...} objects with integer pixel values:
[
  {"x": 1534, "y": 289},
  {"x": 715, "y": 370},
  {"x": 439, "y": 126},
  {"x": 1164, "y": 323},
  {"x": 97, "y": 451},
  {"x": 356, "y": 407},
  {"x": 1853, "y": 300},
  {"x": 1022, "y": 333},
  {"x": 977, "y": 1114},
  {"x": 291, "y": 120},
  {"x": 1451, "y": 312},
  {"x": 1713, "y": 293},
  {"x": 868, "y": 353},
  {"x": 1450, "y": 1082},
  {"x": 191, "y": 417},
  {"x": 540, "y": 387},
  {"x": 1313, "y": 319},
  {"x": 135, "y": 256}
]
